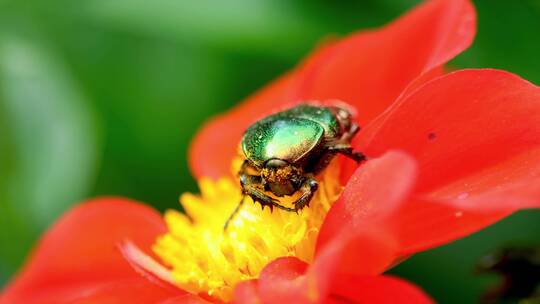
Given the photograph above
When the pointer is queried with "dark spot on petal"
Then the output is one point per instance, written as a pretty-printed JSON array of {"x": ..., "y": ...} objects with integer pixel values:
[{"x": 432, "y": 136}]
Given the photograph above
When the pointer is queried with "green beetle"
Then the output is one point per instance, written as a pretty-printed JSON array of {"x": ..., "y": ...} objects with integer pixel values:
[{"x": 284, "y": 151}]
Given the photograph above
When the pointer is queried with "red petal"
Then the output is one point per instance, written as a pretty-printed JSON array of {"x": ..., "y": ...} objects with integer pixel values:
[
  {"x": 283, "y": 281},
  {"x": 350, "y": 240},
  {"x": 376, "y": 290},
  {"x": 134, "y": 290},
  {"x": 423, "y": 224},
  {"x": 367, "y": 69},
  {"x": 476, "y": 137},
  {"x": 289, "y": 280},
  {"x": 373, "y": 193},
  {"x": 78, "y": 259},
  {"x": 183, "y": 299},
  {"x": 510, "y": 184},
  {"x": 246, "y": 292},
  {"x": 371, "y": 69}
]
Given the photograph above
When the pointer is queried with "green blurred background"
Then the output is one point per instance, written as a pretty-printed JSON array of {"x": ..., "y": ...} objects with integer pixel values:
[{"x": 103, "y": 97}]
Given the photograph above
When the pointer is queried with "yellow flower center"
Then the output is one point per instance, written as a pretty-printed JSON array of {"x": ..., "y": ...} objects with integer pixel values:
[{"x": 205, "y": 259}]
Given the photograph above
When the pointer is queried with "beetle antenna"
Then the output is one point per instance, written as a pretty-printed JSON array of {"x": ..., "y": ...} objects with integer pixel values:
[{"x": 234, "y": 213}]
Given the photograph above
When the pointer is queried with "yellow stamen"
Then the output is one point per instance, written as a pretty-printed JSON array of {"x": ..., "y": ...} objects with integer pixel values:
[{"x": 204, "y": 258}]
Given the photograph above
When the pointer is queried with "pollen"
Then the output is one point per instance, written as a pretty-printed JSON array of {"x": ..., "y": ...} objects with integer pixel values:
[{"x": 206, "y": 260}]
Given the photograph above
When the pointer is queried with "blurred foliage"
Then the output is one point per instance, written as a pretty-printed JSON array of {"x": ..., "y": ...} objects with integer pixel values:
[
  {"x": 102, "y": 97},
  {"x": 49, "y": 145}
]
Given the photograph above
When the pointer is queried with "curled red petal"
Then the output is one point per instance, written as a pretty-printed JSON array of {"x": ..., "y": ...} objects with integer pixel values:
[
  {"x": 368, "y": 69},
  {"x": 78, "y": 259},
  {"x": 476, "y": 137},
  {"x": 284, "y": 281},
  {"x": 289, "y": 280},
  {"x": 246, "y": 292}
]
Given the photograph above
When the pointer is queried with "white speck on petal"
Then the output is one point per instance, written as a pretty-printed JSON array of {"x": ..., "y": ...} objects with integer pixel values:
[{"x": 463, "y": 195}]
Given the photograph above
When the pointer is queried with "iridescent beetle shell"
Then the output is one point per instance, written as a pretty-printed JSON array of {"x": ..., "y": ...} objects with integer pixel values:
[{"x": 290, "y": 135}]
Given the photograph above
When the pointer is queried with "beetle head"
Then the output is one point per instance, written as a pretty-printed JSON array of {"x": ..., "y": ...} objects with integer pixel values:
[{"x": 281, "y": 177}]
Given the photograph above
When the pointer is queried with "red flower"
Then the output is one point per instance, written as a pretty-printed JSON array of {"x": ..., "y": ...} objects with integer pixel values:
[{"x": 449, "y": 155}]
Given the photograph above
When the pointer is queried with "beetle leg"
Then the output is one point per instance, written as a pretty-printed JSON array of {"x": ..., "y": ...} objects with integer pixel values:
[
  {"x": 235, "y": 211},
  {"x": 244, "y": 178},
  {"x": 347, "y": 150},
  {"x": 308, "y": 188},
  {"x": 251, "y": 185},
  {"x": 263, "y": 199}
]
